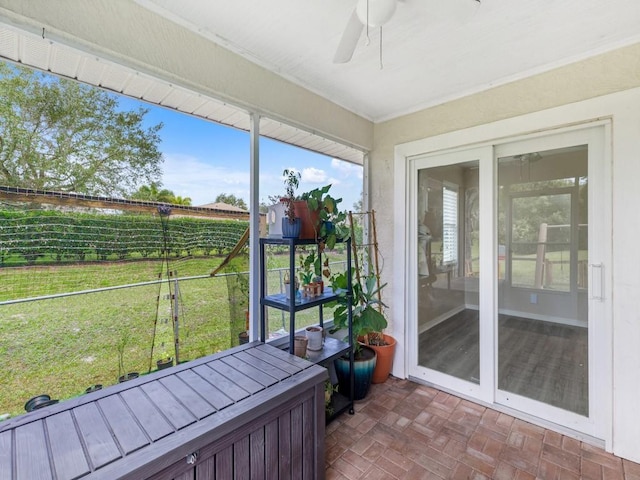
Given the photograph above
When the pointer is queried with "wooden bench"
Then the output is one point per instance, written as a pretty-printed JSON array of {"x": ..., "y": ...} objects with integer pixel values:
[{"x": 250, "y": 412}]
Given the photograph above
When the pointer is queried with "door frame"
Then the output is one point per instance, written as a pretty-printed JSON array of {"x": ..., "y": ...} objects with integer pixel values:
[{"x": 512, "y": 131}]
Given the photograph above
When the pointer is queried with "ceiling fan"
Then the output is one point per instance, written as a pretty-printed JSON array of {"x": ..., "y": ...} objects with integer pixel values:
[{"x": 369, "y": 13}]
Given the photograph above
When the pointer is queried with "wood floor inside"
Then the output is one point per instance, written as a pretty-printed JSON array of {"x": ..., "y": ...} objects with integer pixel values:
[{"x": 541, "y": 360}]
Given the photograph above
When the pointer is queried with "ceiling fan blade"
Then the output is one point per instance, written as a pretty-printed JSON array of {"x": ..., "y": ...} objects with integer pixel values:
[{"x": 349, "y": 39}]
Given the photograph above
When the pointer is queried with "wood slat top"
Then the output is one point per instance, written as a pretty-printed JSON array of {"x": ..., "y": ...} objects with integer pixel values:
[
  {"x": 79, "y": 437},
  {"x": 6, "y": 454},
  {"x": 66, "y": 449}
]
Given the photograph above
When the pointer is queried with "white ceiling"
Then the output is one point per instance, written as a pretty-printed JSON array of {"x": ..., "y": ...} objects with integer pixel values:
[{"x": 433, "y": 50}]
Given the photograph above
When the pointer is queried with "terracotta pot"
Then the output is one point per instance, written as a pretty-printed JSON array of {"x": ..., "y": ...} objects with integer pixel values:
[
  {"x": 309, "y": 220},
  {"x": 300, "y": 346},
  {"x": 385, "y": 359}
]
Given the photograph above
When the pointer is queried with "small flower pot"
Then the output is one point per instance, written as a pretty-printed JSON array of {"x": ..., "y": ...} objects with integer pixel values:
[
  {"x": 316, "y": 338},
  {"x": 128, "y": 376},
  {"x": 33, "y": 402},
  {"x": 48, "y": 403},
  {"x": 93, "y": 388},
  {"x": 291, "y": 230},
  {"x": 164, "y": 363},
  {"x": 300, "y": 346}
]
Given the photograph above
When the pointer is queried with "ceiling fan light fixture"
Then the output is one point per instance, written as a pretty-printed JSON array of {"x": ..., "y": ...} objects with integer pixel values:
[{"x": 379, "y": 11}]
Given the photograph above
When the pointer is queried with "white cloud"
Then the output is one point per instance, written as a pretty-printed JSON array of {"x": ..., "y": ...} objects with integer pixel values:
[
  {"x": 189, "y": 176},
  {"x": 346, "y": 168},
  {"x": 313, "y": 175}
]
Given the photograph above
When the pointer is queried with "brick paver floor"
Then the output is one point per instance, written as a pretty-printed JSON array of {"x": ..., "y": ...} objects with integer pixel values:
[{"x": 403, "y": 430}]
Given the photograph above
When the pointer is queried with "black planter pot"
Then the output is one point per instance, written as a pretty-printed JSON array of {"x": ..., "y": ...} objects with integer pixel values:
[
  {"x": 291, "y": 230},
  {"x": 243, "y": 337},
  {"x": 164, "y": 363},
  {"x": 363, "y": 371},
  {"x": 94, "y": 388},
  {"x": 33, "y": 402},
  {"x": 45, "y": 404},
  {"x": 128, "y": 376}
]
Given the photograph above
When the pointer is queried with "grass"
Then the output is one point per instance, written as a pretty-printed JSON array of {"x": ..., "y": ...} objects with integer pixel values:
[{"x": 61, "y": 346}]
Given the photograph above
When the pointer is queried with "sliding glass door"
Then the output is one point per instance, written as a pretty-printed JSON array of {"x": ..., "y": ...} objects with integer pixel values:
[
  {"x": 448, "y": 267},
  {"x": 510, "y": 249}
]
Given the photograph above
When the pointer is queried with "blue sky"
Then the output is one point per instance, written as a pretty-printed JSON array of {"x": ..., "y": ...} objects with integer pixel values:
[{"x": 203, "y": 159}]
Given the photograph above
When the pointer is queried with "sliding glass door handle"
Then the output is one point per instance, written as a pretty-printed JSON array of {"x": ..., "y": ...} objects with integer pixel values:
[{"x": 596, "y": 281}]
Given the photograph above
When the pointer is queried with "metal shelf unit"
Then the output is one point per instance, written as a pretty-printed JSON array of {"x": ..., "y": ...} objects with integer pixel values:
[{"x": 333, "y": 348}]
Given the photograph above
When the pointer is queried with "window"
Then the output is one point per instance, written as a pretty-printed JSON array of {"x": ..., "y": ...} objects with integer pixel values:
[{"x": 449, "y": 224}]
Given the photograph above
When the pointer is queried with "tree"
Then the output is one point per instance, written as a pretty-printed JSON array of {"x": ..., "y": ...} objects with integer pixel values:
[
  {"x": 357, "y": 206},
  {"x": 59, "y": 134},
  {"x": 178, "y": 200},
  {"x": 231, "y": 199},
  {"x": 153, "y": 193}
]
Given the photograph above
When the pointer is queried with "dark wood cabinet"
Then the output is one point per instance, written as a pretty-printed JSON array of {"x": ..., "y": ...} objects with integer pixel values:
[{"x": 250, "y": 412}]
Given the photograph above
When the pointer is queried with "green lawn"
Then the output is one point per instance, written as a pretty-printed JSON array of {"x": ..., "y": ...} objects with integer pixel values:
[{"x": 62, "y": 346}]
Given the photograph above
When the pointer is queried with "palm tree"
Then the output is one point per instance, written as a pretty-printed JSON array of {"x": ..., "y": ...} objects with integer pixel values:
[
  {"x": 153, "y": 193},
  {"x": 181, "y": 200}
]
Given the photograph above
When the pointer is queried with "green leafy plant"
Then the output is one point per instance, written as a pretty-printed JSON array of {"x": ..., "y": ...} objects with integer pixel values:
[
  {"x": 329, "y": 390},
  {"x": 310, "y": 266},
  {"x": 332, "y": 222},
  {"x": 291, "y": 182},
  {"x": 306, "y": 270},
  {"x": 366, "y": 317}
]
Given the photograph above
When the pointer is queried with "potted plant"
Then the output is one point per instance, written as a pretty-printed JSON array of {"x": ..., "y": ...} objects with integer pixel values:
[
  {"x": 165, "y": 361},
  {"x": 329, "y": 222},
  {"x": 290, "y": 223},
  {"x": 310, "y": 269},
  {"x": 287, "y": 285},
  {"x": 385, "y": 347},
  {"x": 365, "y": 319},
  {"x": 383, "y": 344},
  {"x": 313, "y": 268}
]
